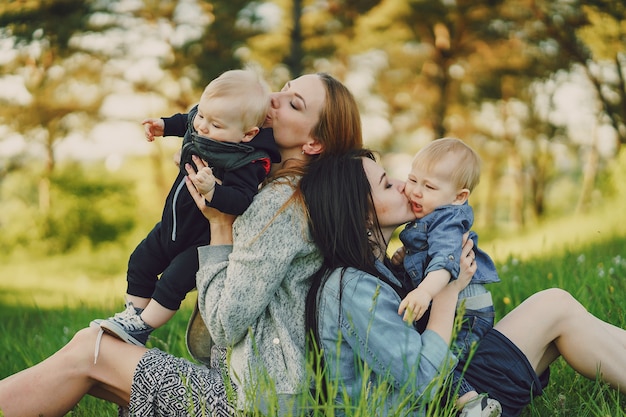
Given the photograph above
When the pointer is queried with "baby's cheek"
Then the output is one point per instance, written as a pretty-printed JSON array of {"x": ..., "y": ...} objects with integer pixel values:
[{"x": 196, "y": 123}]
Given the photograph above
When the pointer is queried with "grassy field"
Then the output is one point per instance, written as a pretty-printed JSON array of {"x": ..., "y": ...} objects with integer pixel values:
[{"x": 43, "y": 302}]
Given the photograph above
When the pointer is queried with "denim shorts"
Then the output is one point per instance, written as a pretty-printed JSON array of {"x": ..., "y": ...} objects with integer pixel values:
[
  {"x": 476, "y": 324},
  {"x": 478, "y": 317},
  {"x": 500, "y": 369}
]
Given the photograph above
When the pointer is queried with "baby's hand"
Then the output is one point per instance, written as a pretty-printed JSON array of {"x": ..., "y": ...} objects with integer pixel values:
[
  {"x": 414, "y": 305},
  {"x": 205, "y": 182},
  {"x": 398, "y": 256},
  {"x": 468, "y": 264},
  {"x": 153, "y": 127}
]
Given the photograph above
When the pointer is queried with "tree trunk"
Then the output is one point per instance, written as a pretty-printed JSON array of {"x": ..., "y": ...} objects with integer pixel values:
[
  {"x": 45, "y": 201},
  {"x": 516, "y": 208},
  {"x": 590, "y": 171},
  {"x": 488, "y": 185},
  {"x": 294, "y": 60}
]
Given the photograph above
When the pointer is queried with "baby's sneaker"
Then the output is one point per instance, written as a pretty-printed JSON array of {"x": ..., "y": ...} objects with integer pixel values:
[
  {"x": 128, "y": 326},
  {"x": 95, "y": 323},
  {"x": 482, "y": 406}
]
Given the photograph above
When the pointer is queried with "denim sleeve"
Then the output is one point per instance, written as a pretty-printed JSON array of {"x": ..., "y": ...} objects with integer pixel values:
[
  {"x": 392, "y": 348},
  {"x": 486, "y": 273},
  {"x": 445, "y": 239}
]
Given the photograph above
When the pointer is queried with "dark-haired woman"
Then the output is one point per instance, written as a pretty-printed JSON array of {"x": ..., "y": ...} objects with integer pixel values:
[{"x": 367, "y": 347}]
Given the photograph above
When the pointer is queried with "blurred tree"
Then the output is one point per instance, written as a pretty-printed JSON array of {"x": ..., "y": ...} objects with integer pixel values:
[
  {"x": 596, "y": 42},
  {"x": 92, "y": 207},
  {"x": 419, "y": 68},
  {"x": 449, "y": 60},
  {"x": 223, "y": 45},
  {"x": 294, "y": 61},
  {"x": 470, "y": 69},
  {"x": 593, "y": 36},
  {"x": 329, "y": 28},
  {"x": 52, "y": 79},
  {"x": 299, "y": 33}
]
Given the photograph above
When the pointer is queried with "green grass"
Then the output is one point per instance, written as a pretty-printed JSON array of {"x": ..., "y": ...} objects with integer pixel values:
[
  {"x": 30, "y": 334},
  {"x": 44, "y": 302},
  {"x": 594, "y": 274}
]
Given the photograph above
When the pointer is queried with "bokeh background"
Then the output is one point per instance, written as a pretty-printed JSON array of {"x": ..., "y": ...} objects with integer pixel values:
[{"x": 536, "y": 86}]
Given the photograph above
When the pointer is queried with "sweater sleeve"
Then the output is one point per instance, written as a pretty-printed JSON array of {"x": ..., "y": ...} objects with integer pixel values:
[{"x": 237, "y": 283}]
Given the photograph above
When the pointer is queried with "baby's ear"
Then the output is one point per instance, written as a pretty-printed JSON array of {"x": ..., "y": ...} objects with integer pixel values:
[
  {"x": 462, "y": 197},
  {"x": 250, "y": 134}
]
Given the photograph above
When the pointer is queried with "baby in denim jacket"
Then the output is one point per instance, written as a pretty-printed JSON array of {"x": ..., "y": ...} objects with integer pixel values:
[{"x": 443, "y": 174}]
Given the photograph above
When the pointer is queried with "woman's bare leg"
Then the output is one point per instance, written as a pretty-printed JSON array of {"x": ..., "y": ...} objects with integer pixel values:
[
  {"x": 552, "y": 323},
  {"x": 616, "y": 332},
  {"x": 54, "y": 386}
]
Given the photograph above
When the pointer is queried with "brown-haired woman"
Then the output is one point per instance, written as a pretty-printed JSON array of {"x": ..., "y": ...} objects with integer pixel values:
[{"x": 252, "y": 284}]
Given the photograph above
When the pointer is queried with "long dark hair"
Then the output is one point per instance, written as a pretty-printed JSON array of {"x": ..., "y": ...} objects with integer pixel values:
[{"x": 341, "y": 211}]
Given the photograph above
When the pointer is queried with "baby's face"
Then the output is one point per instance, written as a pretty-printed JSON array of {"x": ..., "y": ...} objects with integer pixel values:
[
  {"x": 219, "y": 119},
  {"x": 429, "y": 189}
]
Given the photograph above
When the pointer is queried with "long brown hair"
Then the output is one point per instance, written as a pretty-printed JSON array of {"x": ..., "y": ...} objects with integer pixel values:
[{"x": 338, "y": 128}]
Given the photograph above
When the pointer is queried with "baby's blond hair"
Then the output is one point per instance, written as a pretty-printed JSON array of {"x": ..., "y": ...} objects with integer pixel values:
[
  {"x": 466, "y": 171},
  {"x": 248, "y": 88}
]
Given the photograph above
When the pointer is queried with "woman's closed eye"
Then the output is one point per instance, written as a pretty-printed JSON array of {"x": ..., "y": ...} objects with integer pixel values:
[{"x": 297, "y": 104}]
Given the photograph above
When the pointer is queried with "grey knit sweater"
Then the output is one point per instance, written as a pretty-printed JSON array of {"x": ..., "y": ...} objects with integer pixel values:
[{"x": 252, "y": 295}]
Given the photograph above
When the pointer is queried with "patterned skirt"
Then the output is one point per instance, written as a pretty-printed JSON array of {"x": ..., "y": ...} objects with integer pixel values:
[{"x": 164, "y": 385}]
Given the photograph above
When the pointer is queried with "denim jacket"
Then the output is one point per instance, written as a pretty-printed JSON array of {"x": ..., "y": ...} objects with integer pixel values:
[
  {"x": 434, "y": 242},
  {"x": 362, "y": 335}
]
